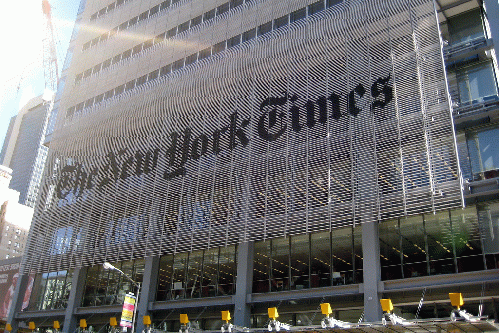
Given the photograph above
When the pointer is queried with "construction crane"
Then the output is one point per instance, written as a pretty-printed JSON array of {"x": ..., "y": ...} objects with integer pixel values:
[{"x": 50, "y": 68}]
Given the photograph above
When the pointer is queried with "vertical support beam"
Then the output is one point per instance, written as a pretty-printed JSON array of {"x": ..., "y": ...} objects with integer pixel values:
[
  {"x": 75, "y": 298},
  {"x": 148, "y": 290},
  {"x": 17, "y": 301},
  {"x": 244, "y": 284},
  {"x": 372, "y": 271},
  {"x": 491, "y": 8}
]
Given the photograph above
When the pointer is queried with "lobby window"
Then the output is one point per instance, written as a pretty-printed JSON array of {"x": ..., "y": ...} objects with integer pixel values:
[
  {"x": 476, "y": 83},
  {"x": 108, "y": 287},
  {"x": 51, "y": 290},
  {"x": 447, "y": 242},
  {"x": 488, "y": 219},
  {"x": 205, "y": 273},
  {"x": 483, "y": 149},
  {"x": 308, "y": 261}
]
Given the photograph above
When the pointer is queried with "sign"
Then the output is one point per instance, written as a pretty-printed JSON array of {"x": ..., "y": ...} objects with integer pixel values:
[
  {"x": 128, "y": 308},
  {"x": 9, "y": 274}
]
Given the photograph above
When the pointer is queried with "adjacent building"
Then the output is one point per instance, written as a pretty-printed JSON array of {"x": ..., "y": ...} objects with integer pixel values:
[
  {"x": 237, "y": 155},
  {"x": 23, "y": 150},
  {"x": 15, "y": 219}
]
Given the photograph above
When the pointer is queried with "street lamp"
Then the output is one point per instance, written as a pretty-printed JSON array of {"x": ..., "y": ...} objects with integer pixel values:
[{"x": 137, "y": 284}]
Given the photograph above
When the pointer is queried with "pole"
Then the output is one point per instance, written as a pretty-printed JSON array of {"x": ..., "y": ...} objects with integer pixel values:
[{"x": 135, "y": 307}]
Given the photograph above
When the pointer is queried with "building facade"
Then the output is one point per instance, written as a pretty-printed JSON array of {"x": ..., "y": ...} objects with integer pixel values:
[
  {"x": 15, "y": 219},
  {"x": 23, "y": 150},
  {"x": 247, "y": 154}
]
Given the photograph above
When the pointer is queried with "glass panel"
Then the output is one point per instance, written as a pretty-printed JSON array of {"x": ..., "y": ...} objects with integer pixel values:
[
  {"x": 484, "y": 153},
  {"x": 488, "y": 218},
  {"x": 476, "y": 83},
  {"x": 320, "y": 260},
  {"x": 390, "y": 251},
  {"x": 178, "y": 285},
  {"x": 342, "y": 242},
  {"x": 467, "y": 239},
  {"x": 165, "y": 278},
  {"x": 358, "y": 255},
  {"x": 466, "y": 26},
  {"x": 194, "y": 274},
  {"x": 280, "y": 264},
  {"x": 91, "y": 286},
  {"x": 227, "y": 271},
  {"x": 440, "y": 243},
  {"x": 261, "y": 267},
  {"x": 413, "y": 246},
  {"x": 300, "y": 262},
  {"x": 210, "y": 273}
]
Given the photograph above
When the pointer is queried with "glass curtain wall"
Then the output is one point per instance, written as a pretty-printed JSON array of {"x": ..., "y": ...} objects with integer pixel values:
[
  {"x": 109, "y": 287},
  {"x": 51, "y": 290},
  {"x": 308, "y": 261},
  {"x": 205, "y": 273},
  {"x": 443, "y": 243}
]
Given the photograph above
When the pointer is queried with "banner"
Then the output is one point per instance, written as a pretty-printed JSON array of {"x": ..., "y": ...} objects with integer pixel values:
[{"x": 127, "y": 313}]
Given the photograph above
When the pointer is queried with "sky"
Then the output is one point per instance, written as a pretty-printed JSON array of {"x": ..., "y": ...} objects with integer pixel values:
[{"x": 21, "y": 60}]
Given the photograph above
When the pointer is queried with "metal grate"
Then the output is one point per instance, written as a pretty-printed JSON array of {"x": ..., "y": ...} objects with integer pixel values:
[{"x": 339, "y": 119}]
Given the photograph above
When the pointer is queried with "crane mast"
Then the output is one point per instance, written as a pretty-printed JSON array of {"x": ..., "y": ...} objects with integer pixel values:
[{"x": 49, "y": 52}]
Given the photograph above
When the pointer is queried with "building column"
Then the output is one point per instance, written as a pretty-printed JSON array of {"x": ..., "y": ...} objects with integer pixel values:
[
  {"x": 148, "y": 290},
  {"x": 244, "y": 284},
  {"x": 491, "y": 8},
  {"x": 17, "y": 301},
  {"x": 372, "y": 271},
  {"x": 75, "y": 299}
]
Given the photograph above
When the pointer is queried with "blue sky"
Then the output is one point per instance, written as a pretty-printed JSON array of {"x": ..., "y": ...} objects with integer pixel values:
[{"x": 21, "y": 70}]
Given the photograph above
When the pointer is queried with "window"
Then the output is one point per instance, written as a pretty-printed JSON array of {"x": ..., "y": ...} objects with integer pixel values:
[
  {"x": 264, "y": 28},
  {"x": 153, "y": 10},
  {"x": 204, "y": 53},
  {"x": 234, "y": 41},
  {"x": 223, "y": 8},
  {"x": 483, "y": 150},
  {"x": 209, "y": 15},
  {"x": 130, "y": 85},
  {"x": 235, "y": 3},
  {"x": 148, "y": 43},
  {"x": 178, "y": 64},
  {"x": 126, "y": 54},
  {"x": 165, "y": 70},
  {"x": 298, "y": 14},
  {"x": 141, "y": 80},
  {"x": 217, "y": 48},
  {"x": 87, "y": 73},
  {"x": 183, "y": 27},
  {"x": 249, "y": 35},
  {"x": 137, "y": 48},
  {"x": 116, "y": 59},
  {"x": 118, "y": 90},
  {"x": 133, "y": 21},
  {"x": 143, "y": 16},
  {"x": 315, "y": 7},
  {"x": 164, "y": 5},
  {"x": 172, "y": 32},
  {"x": 191, "y": 59},
  {"x": 465, "y": 27},
  {"x": 96, "y": 68},
  {"x": 476, "y": 82},
  {"x": 331, "y": 3},
  {"x": 153, "y": 75},
  {"x": 281, "y": 22},
  {"x": 106, "y": 64},
  {"x": 123, "y": 26},
  {"x": 197, "y": 20}
]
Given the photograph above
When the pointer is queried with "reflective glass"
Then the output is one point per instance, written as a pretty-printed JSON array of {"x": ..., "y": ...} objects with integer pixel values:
[
  {"x": 280, "y": 264},
  {"x": 484, "y": 153},
  {"x": 261, "y": 267},
  {"x": 194, "y": 274},
  {"x": 413, "y": 246},
  {"x": 300, "y": 262},
  {"x": 320, "y": 260},
  {"x": 439, "y": 235},
  {"x": 227, "y": 271},
  {"x": 390, "y": 250}
]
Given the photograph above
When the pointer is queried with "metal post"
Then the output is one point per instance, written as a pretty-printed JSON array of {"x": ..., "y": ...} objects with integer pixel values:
[{"x": 135, "y": 307}]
